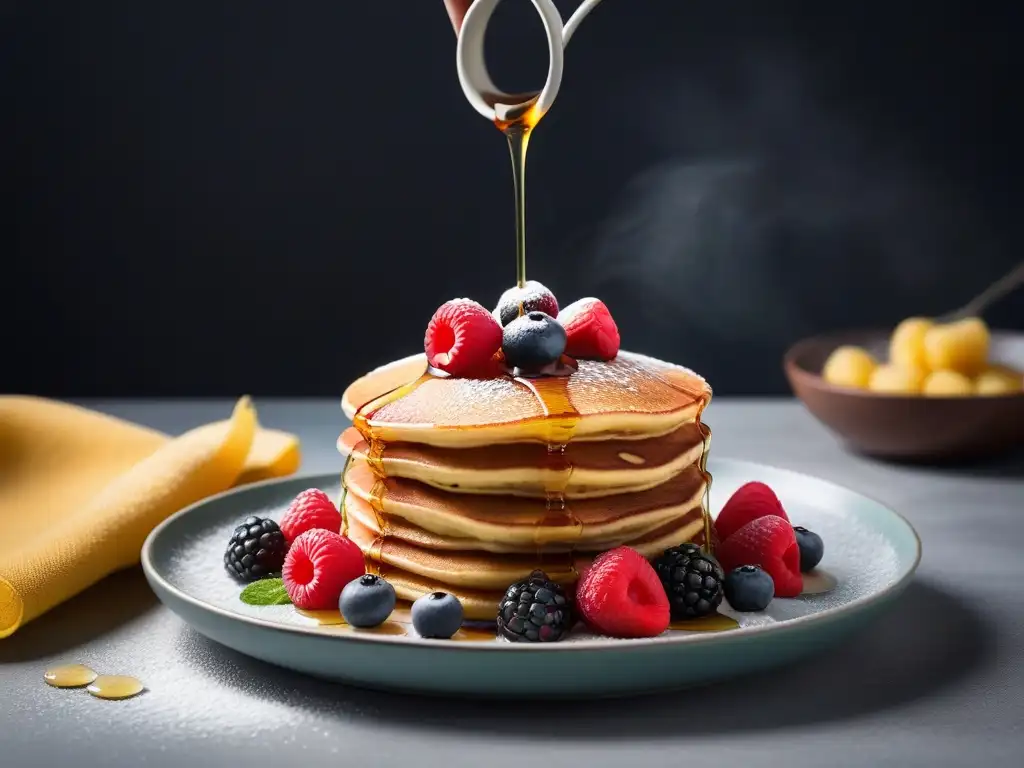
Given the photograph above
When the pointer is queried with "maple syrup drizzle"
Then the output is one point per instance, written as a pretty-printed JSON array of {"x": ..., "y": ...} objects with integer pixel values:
[
  {"x": 375, "y": 447},
  {"x": 706, "y": 500},
  {"x": 516, "y": 120},
  {"x": 560, "y": 422},
  {"x": 707, "y": 544},
  {"x": 344, "y": 493}
]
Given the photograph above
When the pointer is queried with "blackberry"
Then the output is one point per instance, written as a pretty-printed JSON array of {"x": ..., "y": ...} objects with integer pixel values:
[
  {"x": 535, "y": 610},
  {"x": 256, "y": 550},
  {"x": 692, "y": 581},
  {"x": 532, "y": 297}
]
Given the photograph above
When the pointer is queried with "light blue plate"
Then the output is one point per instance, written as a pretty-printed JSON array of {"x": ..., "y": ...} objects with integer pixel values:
[{"x": 869, "y": 550}]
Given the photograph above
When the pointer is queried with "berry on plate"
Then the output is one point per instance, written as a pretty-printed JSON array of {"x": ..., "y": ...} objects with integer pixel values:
[
  {"x": 812, "y": 548},
  {"x": 256, "y": 549},
  {"x": 749, "y": 588},
  {"x": 535, "y": 610},
  {"x": 437, "y": 615},
  {"x": 532, "y": 297},
  {"x": 591, "y": 332},
  {"x": 770, "y": 543},
  {"x": 749, "y": 502},
  {"x": 310, "y": 509},
  {"x": 318, "y": 566},
  {"x": 691, "y": 579},
  {"x": 461, "y": 338},
  {"x": 367, "y": 601},
  {"x": 533, "y": 341},
  {"x": 620, "y": 596}
]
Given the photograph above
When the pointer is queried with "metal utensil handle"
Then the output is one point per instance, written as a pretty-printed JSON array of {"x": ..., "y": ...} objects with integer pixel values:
[{"x": 997, "y": 290}]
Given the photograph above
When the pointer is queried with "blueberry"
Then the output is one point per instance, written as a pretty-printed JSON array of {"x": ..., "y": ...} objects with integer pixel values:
[
  {"x": 812, "y": 548},
  {"x": 531, "y": 297},
  {"x": 533, "y": 341},
  {"x": 749, "y": 588},
  {"x": 437, "y": 615},
  {"x": 367, "y": 601}
]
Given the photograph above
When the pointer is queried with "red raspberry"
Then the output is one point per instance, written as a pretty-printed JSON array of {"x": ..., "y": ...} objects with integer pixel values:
[
  {"x": 620, "y": 595},
  {"x": 318, "y": 566},
  {"x": 311, "y": 509},
  {"x": 590, "y": 330},
  {"x": 771, "y": 543},
  {"x": 749, "y": 502},
  {"x": 461, "y": 338}
]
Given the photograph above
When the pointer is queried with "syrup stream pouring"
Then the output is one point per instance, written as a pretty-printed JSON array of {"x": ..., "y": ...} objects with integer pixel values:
[{"x": 479, "y": 89}]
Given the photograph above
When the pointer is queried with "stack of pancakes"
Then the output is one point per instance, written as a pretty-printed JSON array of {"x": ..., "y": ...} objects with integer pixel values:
[{"x": 466, "y": 486}]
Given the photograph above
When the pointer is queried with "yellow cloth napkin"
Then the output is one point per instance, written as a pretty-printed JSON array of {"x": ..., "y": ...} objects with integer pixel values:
[{"x": 80, "y": 491}]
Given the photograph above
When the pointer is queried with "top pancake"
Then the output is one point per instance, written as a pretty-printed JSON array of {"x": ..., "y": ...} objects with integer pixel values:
[{"x": 630, "y": 397}]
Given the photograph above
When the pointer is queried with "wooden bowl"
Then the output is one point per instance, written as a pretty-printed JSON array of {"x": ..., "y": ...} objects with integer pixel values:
[{"x": 909, "y": 427}]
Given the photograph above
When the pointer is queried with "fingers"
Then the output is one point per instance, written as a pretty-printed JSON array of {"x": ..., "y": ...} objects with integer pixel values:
[{"x": 457, "y": 11}]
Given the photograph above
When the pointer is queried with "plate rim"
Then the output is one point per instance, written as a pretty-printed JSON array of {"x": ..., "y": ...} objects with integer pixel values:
[{"x": 592, "y": 645}]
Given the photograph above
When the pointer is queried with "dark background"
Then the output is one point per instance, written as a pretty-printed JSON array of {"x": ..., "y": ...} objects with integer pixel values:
[{"x": 227, "y": 196}]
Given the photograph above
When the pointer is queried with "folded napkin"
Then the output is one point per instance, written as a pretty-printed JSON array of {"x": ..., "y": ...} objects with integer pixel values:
[{"x": 80, "y": 491}]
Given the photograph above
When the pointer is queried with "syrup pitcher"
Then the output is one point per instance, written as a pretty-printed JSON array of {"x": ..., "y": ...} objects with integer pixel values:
[
  {"x": 480, "y": 90},
  {"x": 514, "y": 114}
]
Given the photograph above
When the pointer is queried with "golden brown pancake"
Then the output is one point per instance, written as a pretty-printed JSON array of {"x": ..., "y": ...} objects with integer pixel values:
[
  {"x": 467, "y": 485},
  {"x": 488, "y": 571},
  {"x": 357, "y": 509},
  {"x": 630, "y": 397},
  {"x": 598, "y": 467},
  {"x": 505, "y": 522}
]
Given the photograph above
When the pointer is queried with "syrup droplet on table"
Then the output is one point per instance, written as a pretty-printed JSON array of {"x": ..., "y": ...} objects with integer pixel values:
[
  {"x": 69, "y": 676},
  {"x": 115, "y": 687}
]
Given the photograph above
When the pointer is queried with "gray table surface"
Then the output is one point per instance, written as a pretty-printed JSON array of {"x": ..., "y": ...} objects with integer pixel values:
[{"x": 939, "y": 682}]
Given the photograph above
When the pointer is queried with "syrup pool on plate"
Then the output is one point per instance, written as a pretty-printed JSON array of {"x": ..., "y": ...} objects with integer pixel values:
[{"x": 715, "y": 622}]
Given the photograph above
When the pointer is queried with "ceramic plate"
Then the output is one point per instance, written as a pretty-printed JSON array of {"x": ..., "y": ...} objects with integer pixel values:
[{"x": 870, "y": 556}]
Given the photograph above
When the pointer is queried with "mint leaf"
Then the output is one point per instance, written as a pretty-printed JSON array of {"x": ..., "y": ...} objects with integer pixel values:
[{"x": 266, "y": 592}]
